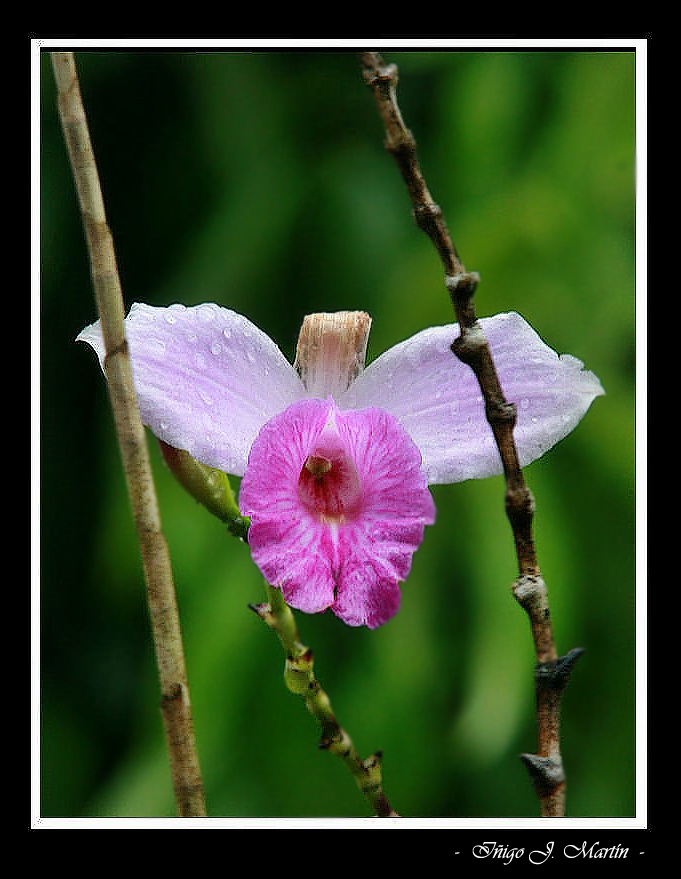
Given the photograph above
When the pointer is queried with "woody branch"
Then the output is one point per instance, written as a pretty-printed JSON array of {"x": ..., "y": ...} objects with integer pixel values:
[{"x": 552, "y": 671}]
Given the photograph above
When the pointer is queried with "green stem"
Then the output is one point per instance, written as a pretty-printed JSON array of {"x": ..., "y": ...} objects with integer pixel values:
[
  {"x": 210, "y": 487},
  {"x": 300, "y": 678}
]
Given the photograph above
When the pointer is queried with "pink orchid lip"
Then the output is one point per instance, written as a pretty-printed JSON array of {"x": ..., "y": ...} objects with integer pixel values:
[{"x": 338, "y": 504}]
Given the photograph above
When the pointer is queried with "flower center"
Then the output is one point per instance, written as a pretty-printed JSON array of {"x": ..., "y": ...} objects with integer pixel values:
[
  {"x": 329, "y": 485},
  {"x": 317, "y": 466}
]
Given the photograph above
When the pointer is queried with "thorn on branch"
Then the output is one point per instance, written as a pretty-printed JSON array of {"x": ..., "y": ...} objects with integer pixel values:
[
  {"x": 373, "y": 761},
  {"x": 262, "y": 610},
  {"x": 546, "y": 773},
  {"x": 555, "y": 675}
]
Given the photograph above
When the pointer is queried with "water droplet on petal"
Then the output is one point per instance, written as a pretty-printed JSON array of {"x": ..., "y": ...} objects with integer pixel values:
[
  {"x": 157, "y": 346},
  {"x": 205, "y": 312}
]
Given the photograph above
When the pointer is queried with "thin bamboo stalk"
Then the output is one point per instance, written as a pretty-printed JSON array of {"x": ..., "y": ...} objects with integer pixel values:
[{"x": 161, "y": 598}]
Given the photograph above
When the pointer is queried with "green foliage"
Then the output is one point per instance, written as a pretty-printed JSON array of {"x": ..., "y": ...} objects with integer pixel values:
[{"x": 259, "y": 181}]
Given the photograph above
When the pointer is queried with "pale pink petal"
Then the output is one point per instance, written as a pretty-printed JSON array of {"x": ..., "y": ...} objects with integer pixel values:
[
  {"x": 207, "y": 379},
  {"x": 437, "y": 399}
]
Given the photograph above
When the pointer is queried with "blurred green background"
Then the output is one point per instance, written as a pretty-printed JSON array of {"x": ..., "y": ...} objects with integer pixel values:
[{"x": 258, "y": 180}]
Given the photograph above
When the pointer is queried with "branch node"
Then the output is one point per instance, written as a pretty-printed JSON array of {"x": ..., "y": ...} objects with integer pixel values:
[
  {"x": 499, "y": 412},
  {"x": 469, "y": 346},
  {"x": 119, "y": 350},
  {"x": 462, "y": 284},
  {"x": 178, "y": 693},
  {"x": 530, "y": 592},
  {"x": 520, "y": 501},
  {"x": 379, "y": 74}
]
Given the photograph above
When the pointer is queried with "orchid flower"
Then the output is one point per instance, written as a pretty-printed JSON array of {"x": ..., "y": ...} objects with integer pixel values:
[{"x": 336, "y": 459}]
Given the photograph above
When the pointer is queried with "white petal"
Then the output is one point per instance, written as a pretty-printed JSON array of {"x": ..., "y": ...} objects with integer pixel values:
[
  {"x": 438, "y": 400},
  {"x": 207, "y": 379}
]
